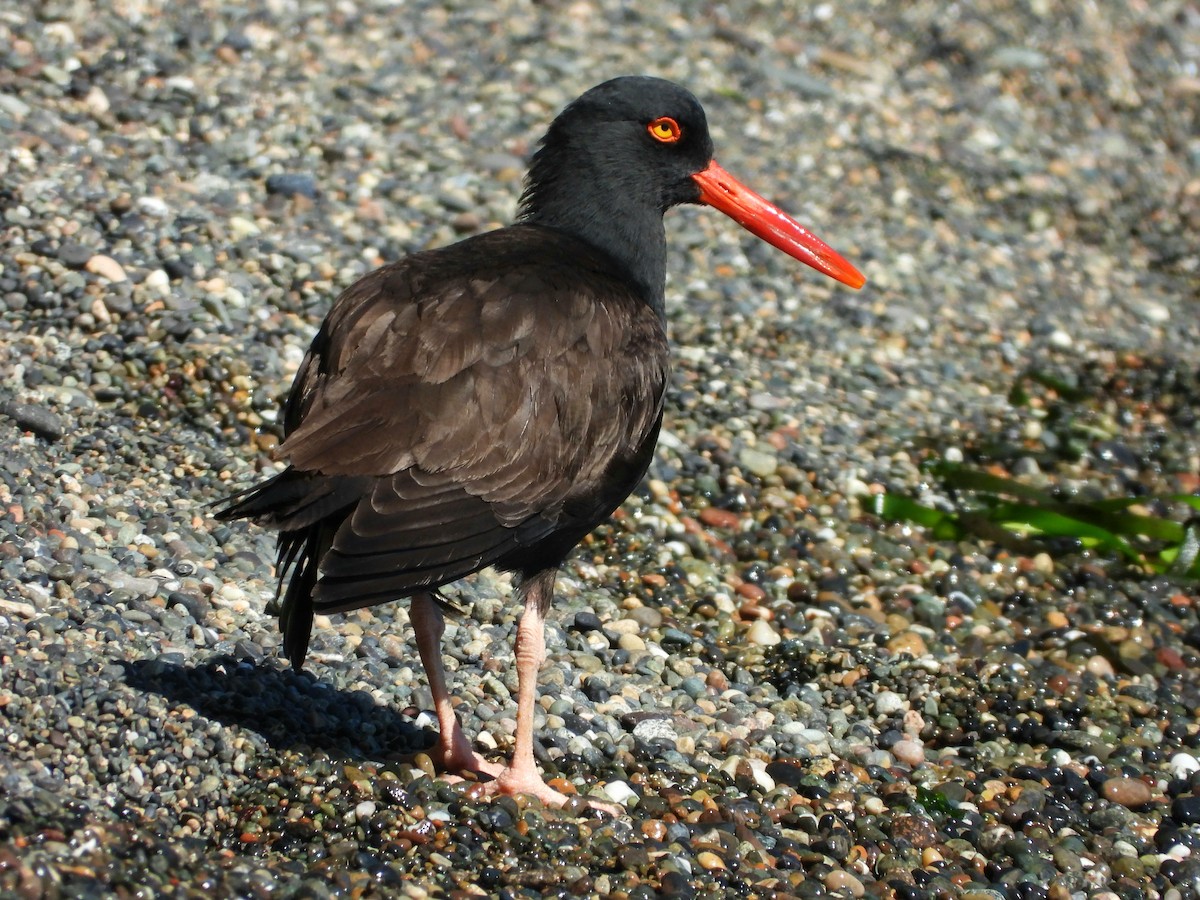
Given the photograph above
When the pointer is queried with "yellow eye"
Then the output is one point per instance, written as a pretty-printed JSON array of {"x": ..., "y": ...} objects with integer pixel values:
[{"x": 665, "y": 130}]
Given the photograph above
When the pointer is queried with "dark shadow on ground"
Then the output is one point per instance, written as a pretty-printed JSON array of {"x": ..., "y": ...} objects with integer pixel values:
[{"x": 288, "y": 709}]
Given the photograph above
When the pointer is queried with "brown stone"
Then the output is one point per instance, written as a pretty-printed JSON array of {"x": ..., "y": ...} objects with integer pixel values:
[
  {"x": 1129, "y": 792},
  {"x": 719, "y": 518}
]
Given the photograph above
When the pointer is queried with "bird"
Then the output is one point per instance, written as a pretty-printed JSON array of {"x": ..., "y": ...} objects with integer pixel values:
[{"x": 490, "y": 402}]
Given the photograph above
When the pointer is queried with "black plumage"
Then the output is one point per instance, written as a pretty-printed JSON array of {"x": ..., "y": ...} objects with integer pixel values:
[{"x": 490, "y": 402}]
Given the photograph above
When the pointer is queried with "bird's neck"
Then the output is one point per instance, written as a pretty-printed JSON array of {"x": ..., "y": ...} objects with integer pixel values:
[{"x": 622, "y": 227}]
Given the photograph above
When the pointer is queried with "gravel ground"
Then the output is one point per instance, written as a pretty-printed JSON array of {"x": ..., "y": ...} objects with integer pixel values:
[{"x": 791, "y": 697}]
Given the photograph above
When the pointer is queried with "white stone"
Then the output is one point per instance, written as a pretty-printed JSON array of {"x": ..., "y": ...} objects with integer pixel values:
[
  {"x": 364, "y": 810},
  {"x": 620, "y": 792},
  {"x": 761, "y": 634},
  {"x": 888, "y": 703},
  {"x": 153, "y": 206},
  {"x": 105, "y": 267},
  {"x": 1183, "y": 765}
]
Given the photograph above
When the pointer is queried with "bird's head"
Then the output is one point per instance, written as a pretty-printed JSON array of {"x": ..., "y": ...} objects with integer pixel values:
[{"x": 644, "y": 142}]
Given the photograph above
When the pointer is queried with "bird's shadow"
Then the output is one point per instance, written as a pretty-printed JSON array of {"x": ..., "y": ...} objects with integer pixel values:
[{"x": 287, "y": 709}]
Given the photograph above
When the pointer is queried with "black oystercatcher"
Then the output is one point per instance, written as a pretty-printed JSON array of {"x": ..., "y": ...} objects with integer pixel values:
[{"x": 489, "y": 403}]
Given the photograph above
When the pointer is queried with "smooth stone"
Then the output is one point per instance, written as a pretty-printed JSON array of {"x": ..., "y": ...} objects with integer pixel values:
[
  {"x": 36, "y": 419},
  {"x": 1129, "y": 792},
  {"x": 1184, "y": 764},
  {"x": 105, "y": 267},
  {"x": 1186, "y": 810},
  {"x": 719, "y": 518},
  {"x": 889, "y": 703},
  {"x": 655, "y": 729},
  {"x": 909, "y": 642},
  {"x": 620, "y": 792},
  {"x": 154, "y": 206},
  {"x": 586, "y": 621},
  {"x": 759, "y": 462},
  {"x": 292, "y": 184},
  {"x": 909, "y": 752},
  {"x": 14, "y": 106},
  {"x": 762, "y": 634},
  {"x": 841, "y": 880},
  {"x": 364, "y": 810},
  {"x": 631, "y": 642}
]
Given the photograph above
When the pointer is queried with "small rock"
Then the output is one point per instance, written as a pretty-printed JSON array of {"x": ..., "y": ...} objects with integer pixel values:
[
  {"x": 57, "y": 76},
  {"x": 143, "y": 586},
  {"x": 364, "y": 810},
  {"x": 907, "y": 642},
  {"x": 631, "y": 642},
  {"x": 1129, "y": 792},
  {"x": 786, "y": 773},
  {"x": 620, "y": 792},
  {"x": 96, "y": 101},
  {"x": 241, "y": 227},
  {"x": 291, "y": 184},
  {"x": 105, "y": 267},
  {"x": 586, "y": 621},
  {"x": 656, "y": 729},
  {"x": 719, "y": 518},
  {"x": 1018, "y": 58},
  {"x": 919, "y": 831},
  {"x": 74, "y": 255},
  {"x": 36, "y": 419},
  {"x": 756, "y": 595},
  {"x": 1153, "y": 312},
  {"x": 762, "y": 634},
  {"x": 760, "y": 463},
  {"x": 909, "y": 752},
  {"x": 158, "y": 281},
  {"x": 1183, "y": 765},
  {"x": 13, "y": 106},
  {"x": 466, "y": 222},
  {"x": 1186, "y": 810},
  {"x": 153, "y": 206},
  {"x": 889, "y": 703},
  {"x": 841, "y": 880},
  {"x": 646, "y": 617}
]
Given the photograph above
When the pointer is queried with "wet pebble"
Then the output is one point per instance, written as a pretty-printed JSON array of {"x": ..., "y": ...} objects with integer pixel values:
[
  {"x": 788, "y": 693},
  {"x": 1131, "y": 792},
  {"x": 36, "y": 419}
]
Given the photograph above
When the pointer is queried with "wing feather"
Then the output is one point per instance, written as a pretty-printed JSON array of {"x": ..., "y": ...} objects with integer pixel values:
[{"x": 474, "y": 414}]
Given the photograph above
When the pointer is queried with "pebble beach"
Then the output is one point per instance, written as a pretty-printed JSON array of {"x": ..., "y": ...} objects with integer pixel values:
[{"x": 789, "y": 695}]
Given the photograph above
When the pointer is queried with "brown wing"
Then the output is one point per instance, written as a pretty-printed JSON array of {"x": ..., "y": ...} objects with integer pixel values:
[{"x": 484, "y": 390}]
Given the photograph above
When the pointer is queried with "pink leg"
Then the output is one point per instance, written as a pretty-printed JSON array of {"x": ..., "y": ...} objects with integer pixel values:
[
  {"x": 521, "y": 775},
  {"x": 453, "y": 752}
]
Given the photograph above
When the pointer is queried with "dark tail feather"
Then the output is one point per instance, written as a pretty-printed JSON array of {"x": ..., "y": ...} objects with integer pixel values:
[
  {"x": 307, "y": 509},
  {"x": 300, "y": 555},
  {"x": 292, "y": 501}
]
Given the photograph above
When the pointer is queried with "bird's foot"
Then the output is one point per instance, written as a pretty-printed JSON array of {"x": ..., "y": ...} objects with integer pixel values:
[
  {"x": 456, "y": 757},
  {"x": 515, "y": 781},
  {"x": 613, "y": 809}
]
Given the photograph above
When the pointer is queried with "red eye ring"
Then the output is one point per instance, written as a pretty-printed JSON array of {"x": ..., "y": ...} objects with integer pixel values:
[{"x": 665, "y": 130}]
